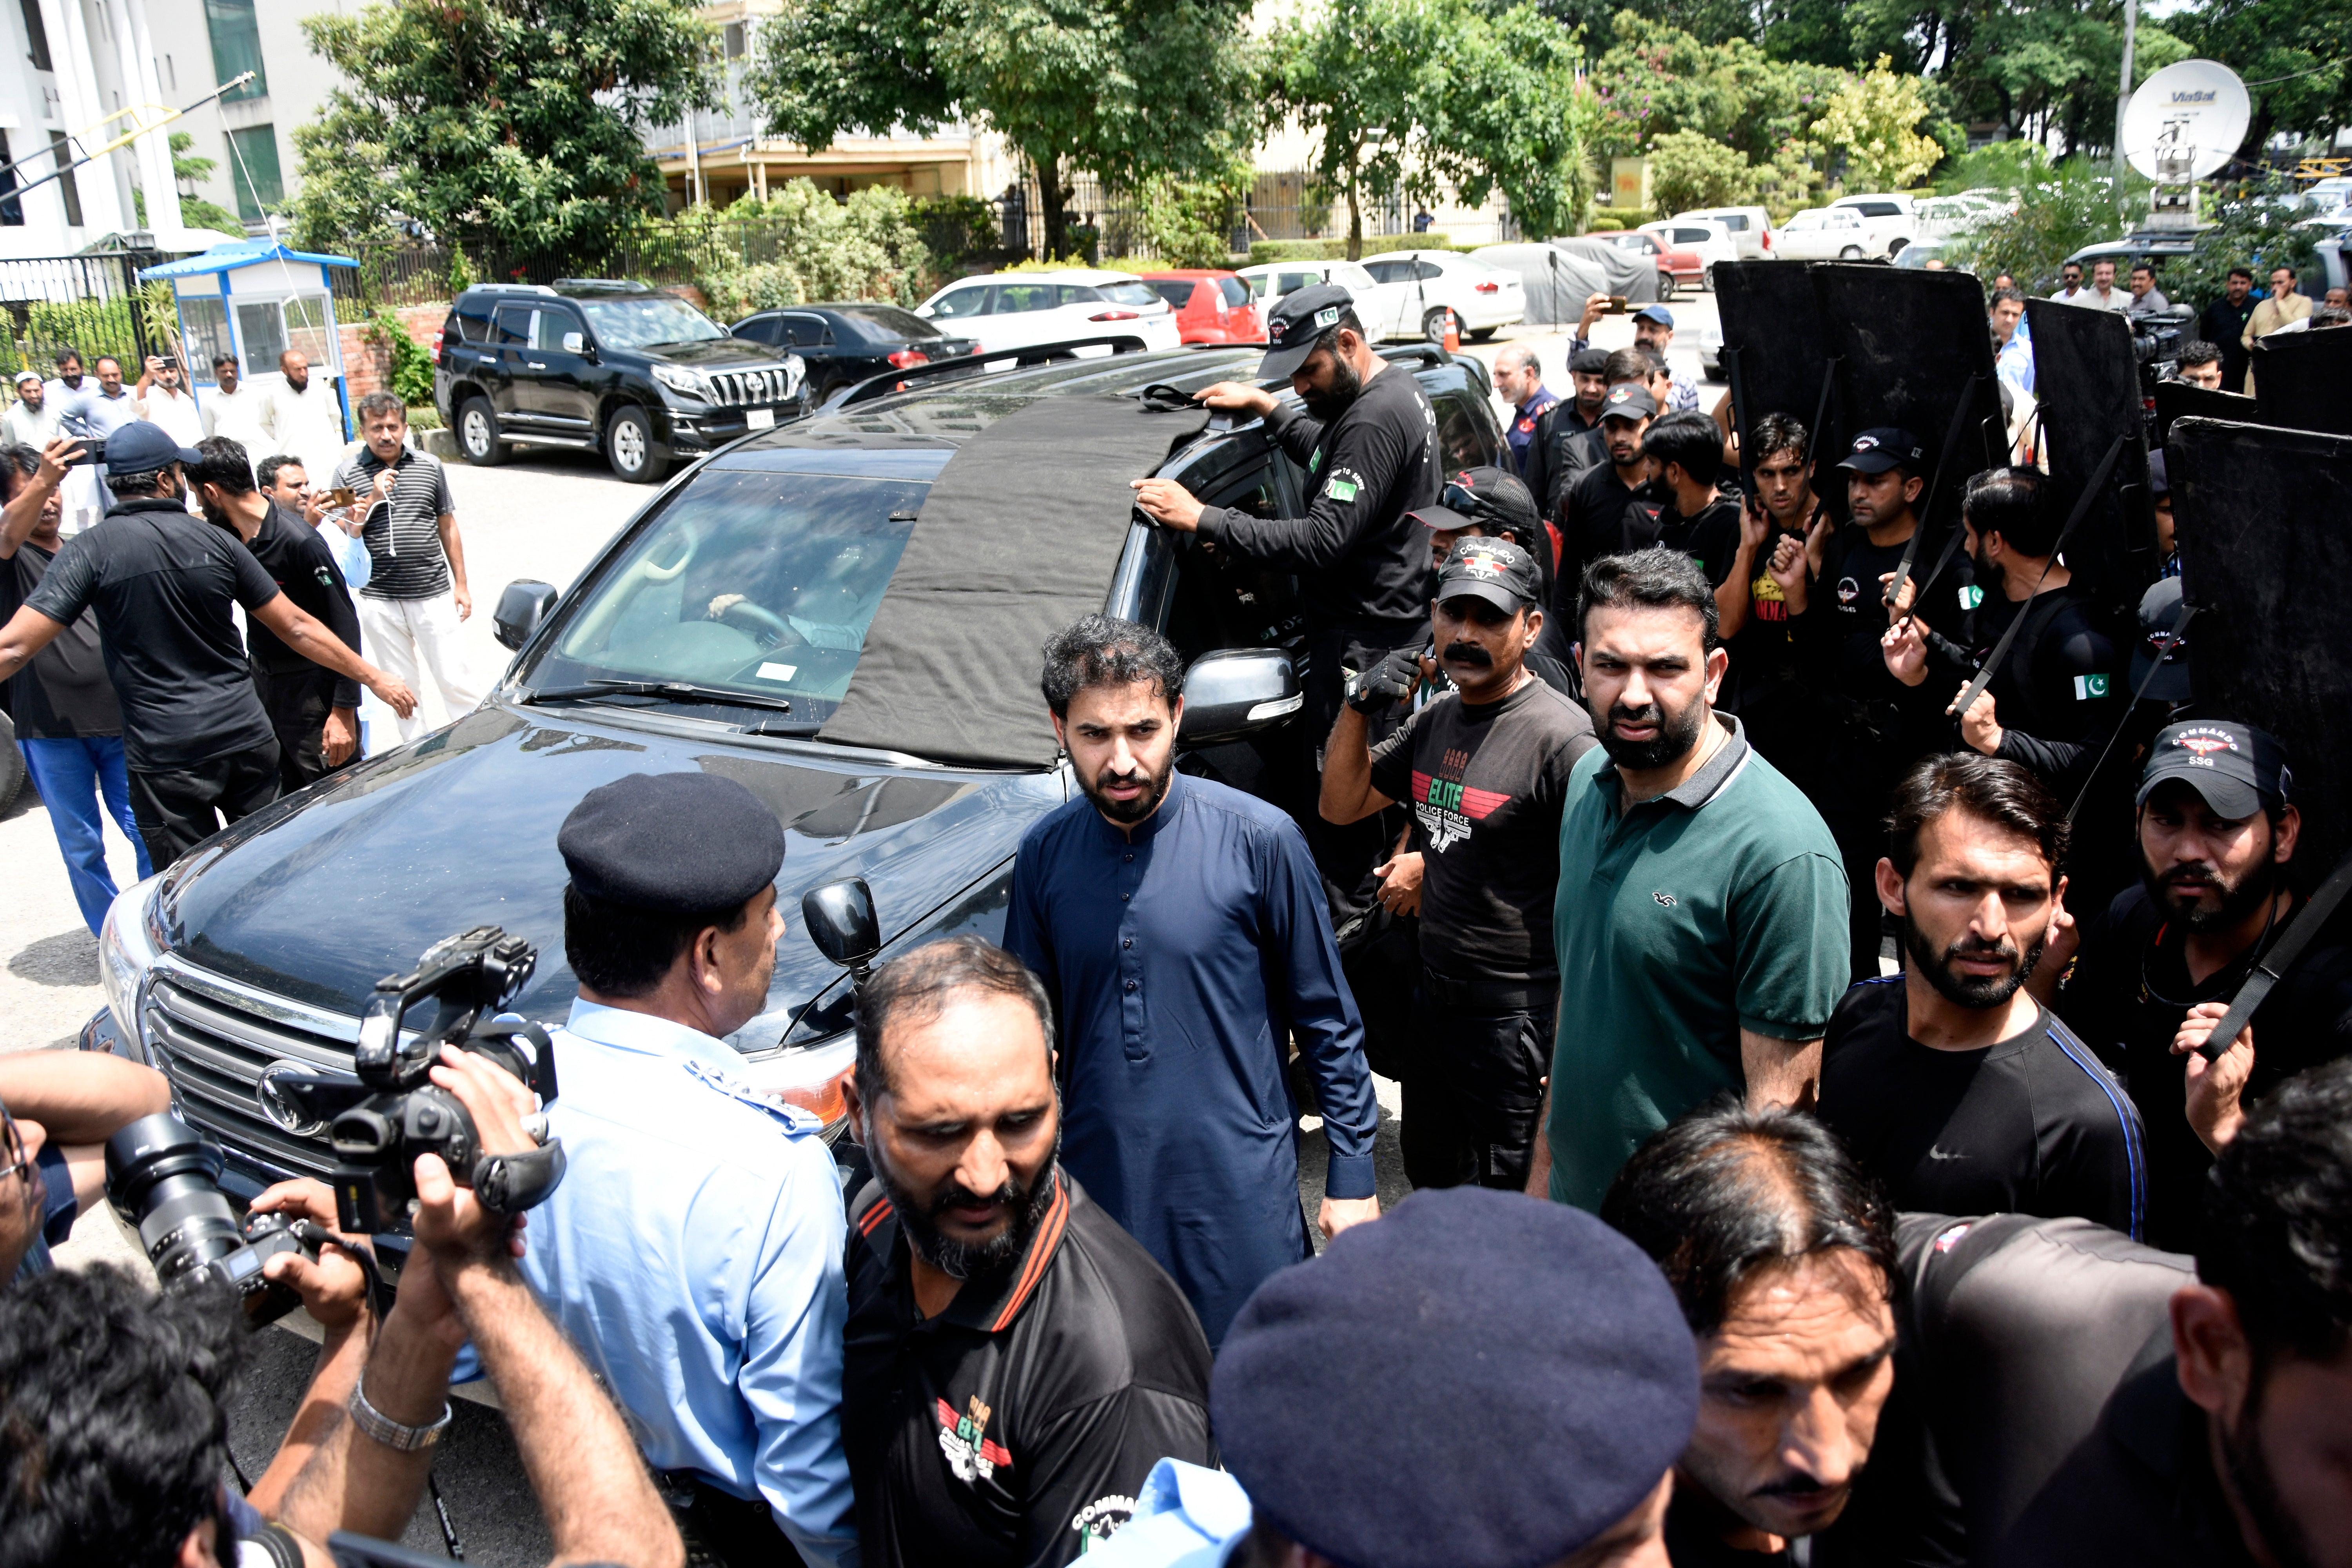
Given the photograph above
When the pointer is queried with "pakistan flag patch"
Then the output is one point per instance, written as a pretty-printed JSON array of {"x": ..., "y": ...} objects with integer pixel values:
[
  {"x": 1338, "y": 489},
  {"x": 1971, "y": 597},
  {"x": 2089, "y": 686}
]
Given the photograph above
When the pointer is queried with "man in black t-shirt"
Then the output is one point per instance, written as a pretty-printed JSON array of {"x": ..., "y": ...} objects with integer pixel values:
[
  {"x": 1014, "y": 1363},
  {"x": 2224, "y": 323},
  {"x": 2217, "y": 834},
  {"x": 67, "y": 724},
  {"x": 1700, "y": 520},
  {"x": 1952, "y": 1084},
  {"x": 314, "y": 711},
  {"x": 1592, "y": 511},
  {"x": 1485, "y": 770},
  {"x": 200, "y": 750},
  {"x": 1878, "y": 727},
  {"x": 1784, "y": 716}
]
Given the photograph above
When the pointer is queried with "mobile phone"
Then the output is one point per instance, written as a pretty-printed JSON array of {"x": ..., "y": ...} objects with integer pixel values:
[
  {"x": 91, "y": 452},
  {"x": 342, "y": 495},
  {"x": 1617, "y": 303}
]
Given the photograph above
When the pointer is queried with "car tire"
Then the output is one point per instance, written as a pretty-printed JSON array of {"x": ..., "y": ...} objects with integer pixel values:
[
  {"x": 1665, "y": 286},
  {"x": 1432, "y": 326},
  {"x": 1484, "y": 335},
  {"x": 1707, "y": 278},
  {"x": 1895, "y": 249},
  {"x": 478, "y": 434},
  {"x": 1850, "y": 253},
  {"x": 824, "y": 395},
  {"x": 629, "y": 446}
]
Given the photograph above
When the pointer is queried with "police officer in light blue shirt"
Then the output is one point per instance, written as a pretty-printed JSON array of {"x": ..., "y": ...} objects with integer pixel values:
[{"x": 694, "y": 1251}]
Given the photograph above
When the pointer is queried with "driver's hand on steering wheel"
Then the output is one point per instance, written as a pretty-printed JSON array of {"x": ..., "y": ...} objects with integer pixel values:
[{"x": 722, "y": 604}]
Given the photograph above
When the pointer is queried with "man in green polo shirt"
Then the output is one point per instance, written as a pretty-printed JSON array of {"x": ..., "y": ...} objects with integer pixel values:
[{"x": 1701, "y": 917}]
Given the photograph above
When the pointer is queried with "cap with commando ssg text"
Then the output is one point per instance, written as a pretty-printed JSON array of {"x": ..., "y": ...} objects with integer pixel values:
[
  {"x": 1876, "y": 451},
  {"x": 1495, "y": 570},
  {"x": 1299, "y": 319},
  {"x": 2237, "y": 768}
]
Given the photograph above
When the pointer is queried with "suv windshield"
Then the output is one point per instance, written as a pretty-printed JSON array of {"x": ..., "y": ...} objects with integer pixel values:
[
  {"x": 758, "y": 583},
  {"x": 647, "y": 320}
]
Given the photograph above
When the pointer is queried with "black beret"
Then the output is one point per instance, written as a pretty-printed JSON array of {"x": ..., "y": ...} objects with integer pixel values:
[
  {"x": 1591, "y": 362},
  {"x": 685, "y": 844},
  {"x": 1480, "y": 1379}
]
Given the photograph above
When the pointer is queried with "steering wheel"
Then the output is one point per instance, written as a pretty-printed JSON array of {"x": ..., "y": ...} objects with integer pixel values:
[{"x": 778, "y": 632}]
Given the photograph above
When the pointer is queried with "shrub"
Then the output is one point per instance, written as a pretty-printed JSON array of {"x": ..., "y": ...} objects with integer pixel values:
[
  {"x": 801, "y": 245},
  {"x": 412, "y": 368}
]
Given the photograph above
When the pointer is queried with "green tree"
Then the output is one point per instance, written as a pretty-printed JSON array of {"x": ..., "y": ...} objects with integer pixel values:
[
  {"x": 195, "y": 210},
  {"x": 1355, "y": 76},
  {"x": 517, "y": 117},
  {"x": 2250, "y": 227},
  {"x": 1508, "y": 110},
  {"x": 1125, "y": 89},
  {"x": 1873, "y": 119},
  {"x": 2066, "y": 208},
  {"x": 1688, "y": 169},
  {"x": 2292, "y": 56}
]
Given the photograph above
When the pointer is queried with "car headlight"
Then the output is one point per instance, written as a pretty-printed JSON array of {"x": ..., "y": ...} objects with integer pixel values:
[
  {"x": 809, "y": 1077},
  {"x": 128, "y": 946},
  {"x": 678, "y": 378}
]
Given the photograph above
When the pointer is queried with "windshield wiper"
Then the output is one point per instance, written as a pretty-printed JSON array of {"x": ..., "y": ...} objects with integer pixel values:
[{"x": 677, "y": 691}]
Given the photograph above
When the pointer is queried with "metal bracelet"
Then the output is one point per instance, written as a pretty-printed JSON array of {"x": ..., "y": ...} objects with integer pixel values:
[{"x": 383, "y": 1429}]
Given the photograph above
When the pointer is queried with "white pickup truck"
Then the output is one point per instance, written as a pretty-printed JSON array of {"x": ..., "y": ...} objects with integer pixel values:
[{"x": 1888, "y": 221}]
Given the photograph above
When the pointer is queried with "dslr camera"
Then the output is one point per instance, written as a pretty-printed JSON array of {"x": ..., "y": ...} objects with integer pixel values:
[
  {"x": 380, "y": 1124},
  {"x": 163, "y": 1177}
]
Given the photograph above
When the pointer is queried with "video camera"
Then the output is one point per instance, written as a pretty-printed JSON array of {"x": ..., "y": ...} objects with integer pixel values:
[
  {"x": 163, "y": 1177},
  {"x": 379, "y": 1125}
]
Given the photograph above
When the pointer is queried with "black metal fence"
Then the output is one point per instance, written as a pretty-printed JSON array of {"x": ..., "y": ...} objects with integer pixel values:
[{"x": 86, "y": 303}]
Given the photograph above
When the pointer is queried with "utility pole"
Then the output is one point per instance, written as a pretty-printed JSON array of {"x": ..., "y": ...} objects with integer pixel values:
[{"x": 2124, "y": 93}]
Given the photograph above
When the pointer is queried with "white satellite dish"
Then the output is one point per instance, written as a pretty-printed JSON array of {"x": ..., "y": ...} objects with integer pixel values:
[{"x": 2186, "y": 121}]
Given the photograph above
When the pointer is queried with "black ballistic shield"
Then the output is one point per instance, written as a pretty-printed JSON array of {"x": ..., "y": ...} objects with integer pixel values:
[
  {"x": 2303, "y": 381},
  {"x": 2183, "y": 400},
  {"x": 2264, "y": 522},
  {"x": 1772, "y": 322},
  {"x": 2086, "y": 380},
  {"x": 1910, "y": 346}
]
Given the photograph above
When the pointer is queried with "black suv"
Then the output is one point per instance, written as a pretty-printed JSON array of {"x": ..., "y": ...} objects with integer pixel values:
[
  {"x": 620, "y": 368},
  {"x": 837, "y": 613}
]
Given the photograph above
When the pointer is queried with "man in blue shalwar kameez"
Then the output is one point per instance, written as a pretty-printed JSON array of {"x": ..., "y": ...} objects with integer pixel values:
[{"x": 1181, "y": 929}]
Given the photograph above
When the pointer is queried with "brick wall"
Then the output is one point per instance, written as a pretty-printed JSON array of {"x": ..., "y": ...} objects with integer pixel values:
[{"x": 368, "y": 366}]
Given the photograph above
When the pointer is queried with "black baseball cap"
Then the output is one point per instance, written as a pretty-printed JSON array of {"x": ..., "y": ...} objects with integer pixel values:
[
  {"x": 139, "y": 447},
  {"x": 1628, "y": 400},
  {"x": 1495, "y": 570},
  {"x": 1299, "y": 319},
  {"x": 2237, "y": 768},
  {"x": 2160, "y": 612},
  {"x": 1484, "y": 498},
  {"x": 1589, "y": 362},
  {"x": 1876, "y": 451}
]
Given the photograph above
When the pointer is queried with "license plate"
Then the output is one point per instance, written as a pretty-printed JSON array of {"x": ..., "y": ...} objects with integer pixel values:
[{"x": 760, "y": 418}]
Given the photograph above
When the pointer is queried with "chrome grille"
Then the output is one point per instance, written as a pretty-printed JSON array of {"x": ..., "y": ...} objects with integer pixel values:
[
  {"x": 749, "y": 388},
  {"x": 215, "y": 1047}
]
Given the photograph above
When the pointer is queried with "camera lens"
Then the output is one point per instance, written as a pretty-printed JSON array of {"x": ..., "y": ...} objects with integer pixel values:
[{"x": 163, "y": 1177}]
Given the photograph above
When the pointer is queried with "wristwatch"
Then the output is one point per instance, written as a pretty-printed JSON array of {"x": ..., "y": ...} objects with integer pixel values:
[{"x": 383, "y": 1429}]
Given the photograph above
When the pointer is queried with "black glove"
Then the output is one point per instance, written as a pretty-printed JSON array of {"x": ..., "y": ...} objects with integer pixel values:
[{"x": 1389, "y": 683}]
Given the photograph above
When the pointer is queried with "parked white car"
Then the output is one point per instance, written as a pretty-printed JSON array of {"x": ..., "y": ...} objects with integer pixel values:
[
  {"x": 1891, "y": 220},
  {"x": 1270, "y": 280},
  {"x": 1417, "y": 287},
  {"x": 1021, "y": 309},
  {"x": 1750, "y": 228},
  {"x": 1710, "y": 239},
  {"x": 1823, "y": 234}
]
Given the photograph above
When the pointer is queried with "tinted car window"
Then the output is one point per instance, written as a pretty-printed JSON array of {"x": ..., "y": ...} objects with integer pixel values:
[
  {"x": 760, "y": 330},
  {"x": 1231, "y": 287},
  {"x": 1736, "y": 222},
  {"x": 473, "y": 324},
  {"x": 1389, "y": 271},
  {"x": 1016, "y": 297},
  {"x": 1177, "y": 291},
  {"x": 885, "y": 323},
  {"x": 804, "y": 331},
  {"x": 959, "y": 302},
  {"x": 1291, "y": 282},
  {"x": 1690, "y": 236},
  {"x": 1467, "y": 441},
  {"x": 758, "y": 582},
  {"x": 1223, "y": 600},
  {"x": 648, "y": 320},
  {"x": 1877, "y": 209},
  {"x": 1131, "y": 291},
  {"x": 548, "y": 331},
  {"x": 1427, "y": 269},
  {"x": 1076, "y": 294},
  {"x": 514, "y": 324}
]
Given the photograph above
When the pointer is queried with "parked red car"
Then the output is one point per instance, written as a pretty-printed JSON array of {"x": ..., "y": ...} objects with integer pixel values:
[
  {"x": 1212, "y": 306},
  {"x": 1675, "y": 267}
]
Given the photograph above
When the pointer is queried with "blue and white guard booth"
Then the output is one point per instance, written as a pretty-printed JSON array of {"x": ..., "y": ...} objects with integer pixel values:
[{"x": 256, "y": 298}]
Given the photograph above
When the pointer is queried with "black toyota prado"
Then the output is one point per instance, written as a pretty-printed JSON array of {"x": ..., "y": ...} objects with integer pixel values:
[
  {"x": 844, "y": 613},
  {"x": 619, "y": 368}
]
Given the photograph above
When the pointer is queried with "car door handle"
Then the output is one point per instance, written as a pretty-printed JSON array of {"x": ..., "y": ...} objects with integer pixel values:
[{"x": 534, "y": 365}]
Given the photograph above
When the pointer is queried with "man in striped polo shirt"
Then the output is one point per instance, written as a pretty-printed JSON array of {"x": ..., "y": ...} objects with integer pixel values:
[{"x": 415, "y": 594}]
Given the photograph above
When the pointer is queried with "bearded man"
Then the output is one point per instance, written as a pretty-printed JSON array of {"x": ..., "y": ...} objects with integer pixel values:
[
  {"x": 1951, "y": 1083},
  {"x": 2217, "y": 828},
  {"x": 1178, "y": 928},
  {"x": 1014, "y": 1363}
]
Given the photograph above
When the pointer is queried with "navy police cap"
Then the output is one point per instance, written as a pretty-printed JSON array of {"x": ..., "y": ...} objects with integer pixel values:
[
  {"x": 1480, "y": 1379},
  {"x": 1296, "y": 321},
  {"x": 685, "y": 844}
]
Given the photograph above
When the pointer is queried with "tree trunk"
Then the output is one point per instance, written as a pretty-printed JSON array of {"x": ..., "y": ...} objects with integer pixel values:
[
  {"x": 1051, "y": 196},
  {"x": 1355, "y": 225}
]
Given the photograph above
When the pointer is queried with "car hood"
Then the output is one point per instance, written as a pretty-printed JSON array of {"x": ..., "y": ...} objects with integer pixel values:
[
  {"x": 319, "y": 896},
  {"x": 716, "y": 354}
]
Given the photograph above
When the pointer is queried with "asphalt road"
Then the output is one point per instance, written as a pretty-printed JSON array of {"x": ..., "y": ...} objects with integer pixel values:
[{"x": 542, "y": 516}]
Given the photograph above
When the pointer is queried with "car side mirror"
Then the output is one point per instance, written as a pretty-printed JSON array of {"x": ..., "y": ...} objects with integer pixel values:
[
  {"x": 1236, "y": 692},
  {"x": 575, "y": 343},
  {"x": 521, "y": 608},
  {"x": 840, "y": 918}
]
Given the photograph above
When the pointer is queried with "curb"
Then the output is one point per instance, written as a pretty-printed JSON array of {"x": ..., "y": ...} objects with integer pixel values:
[{"x": 438, "y": 442}]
